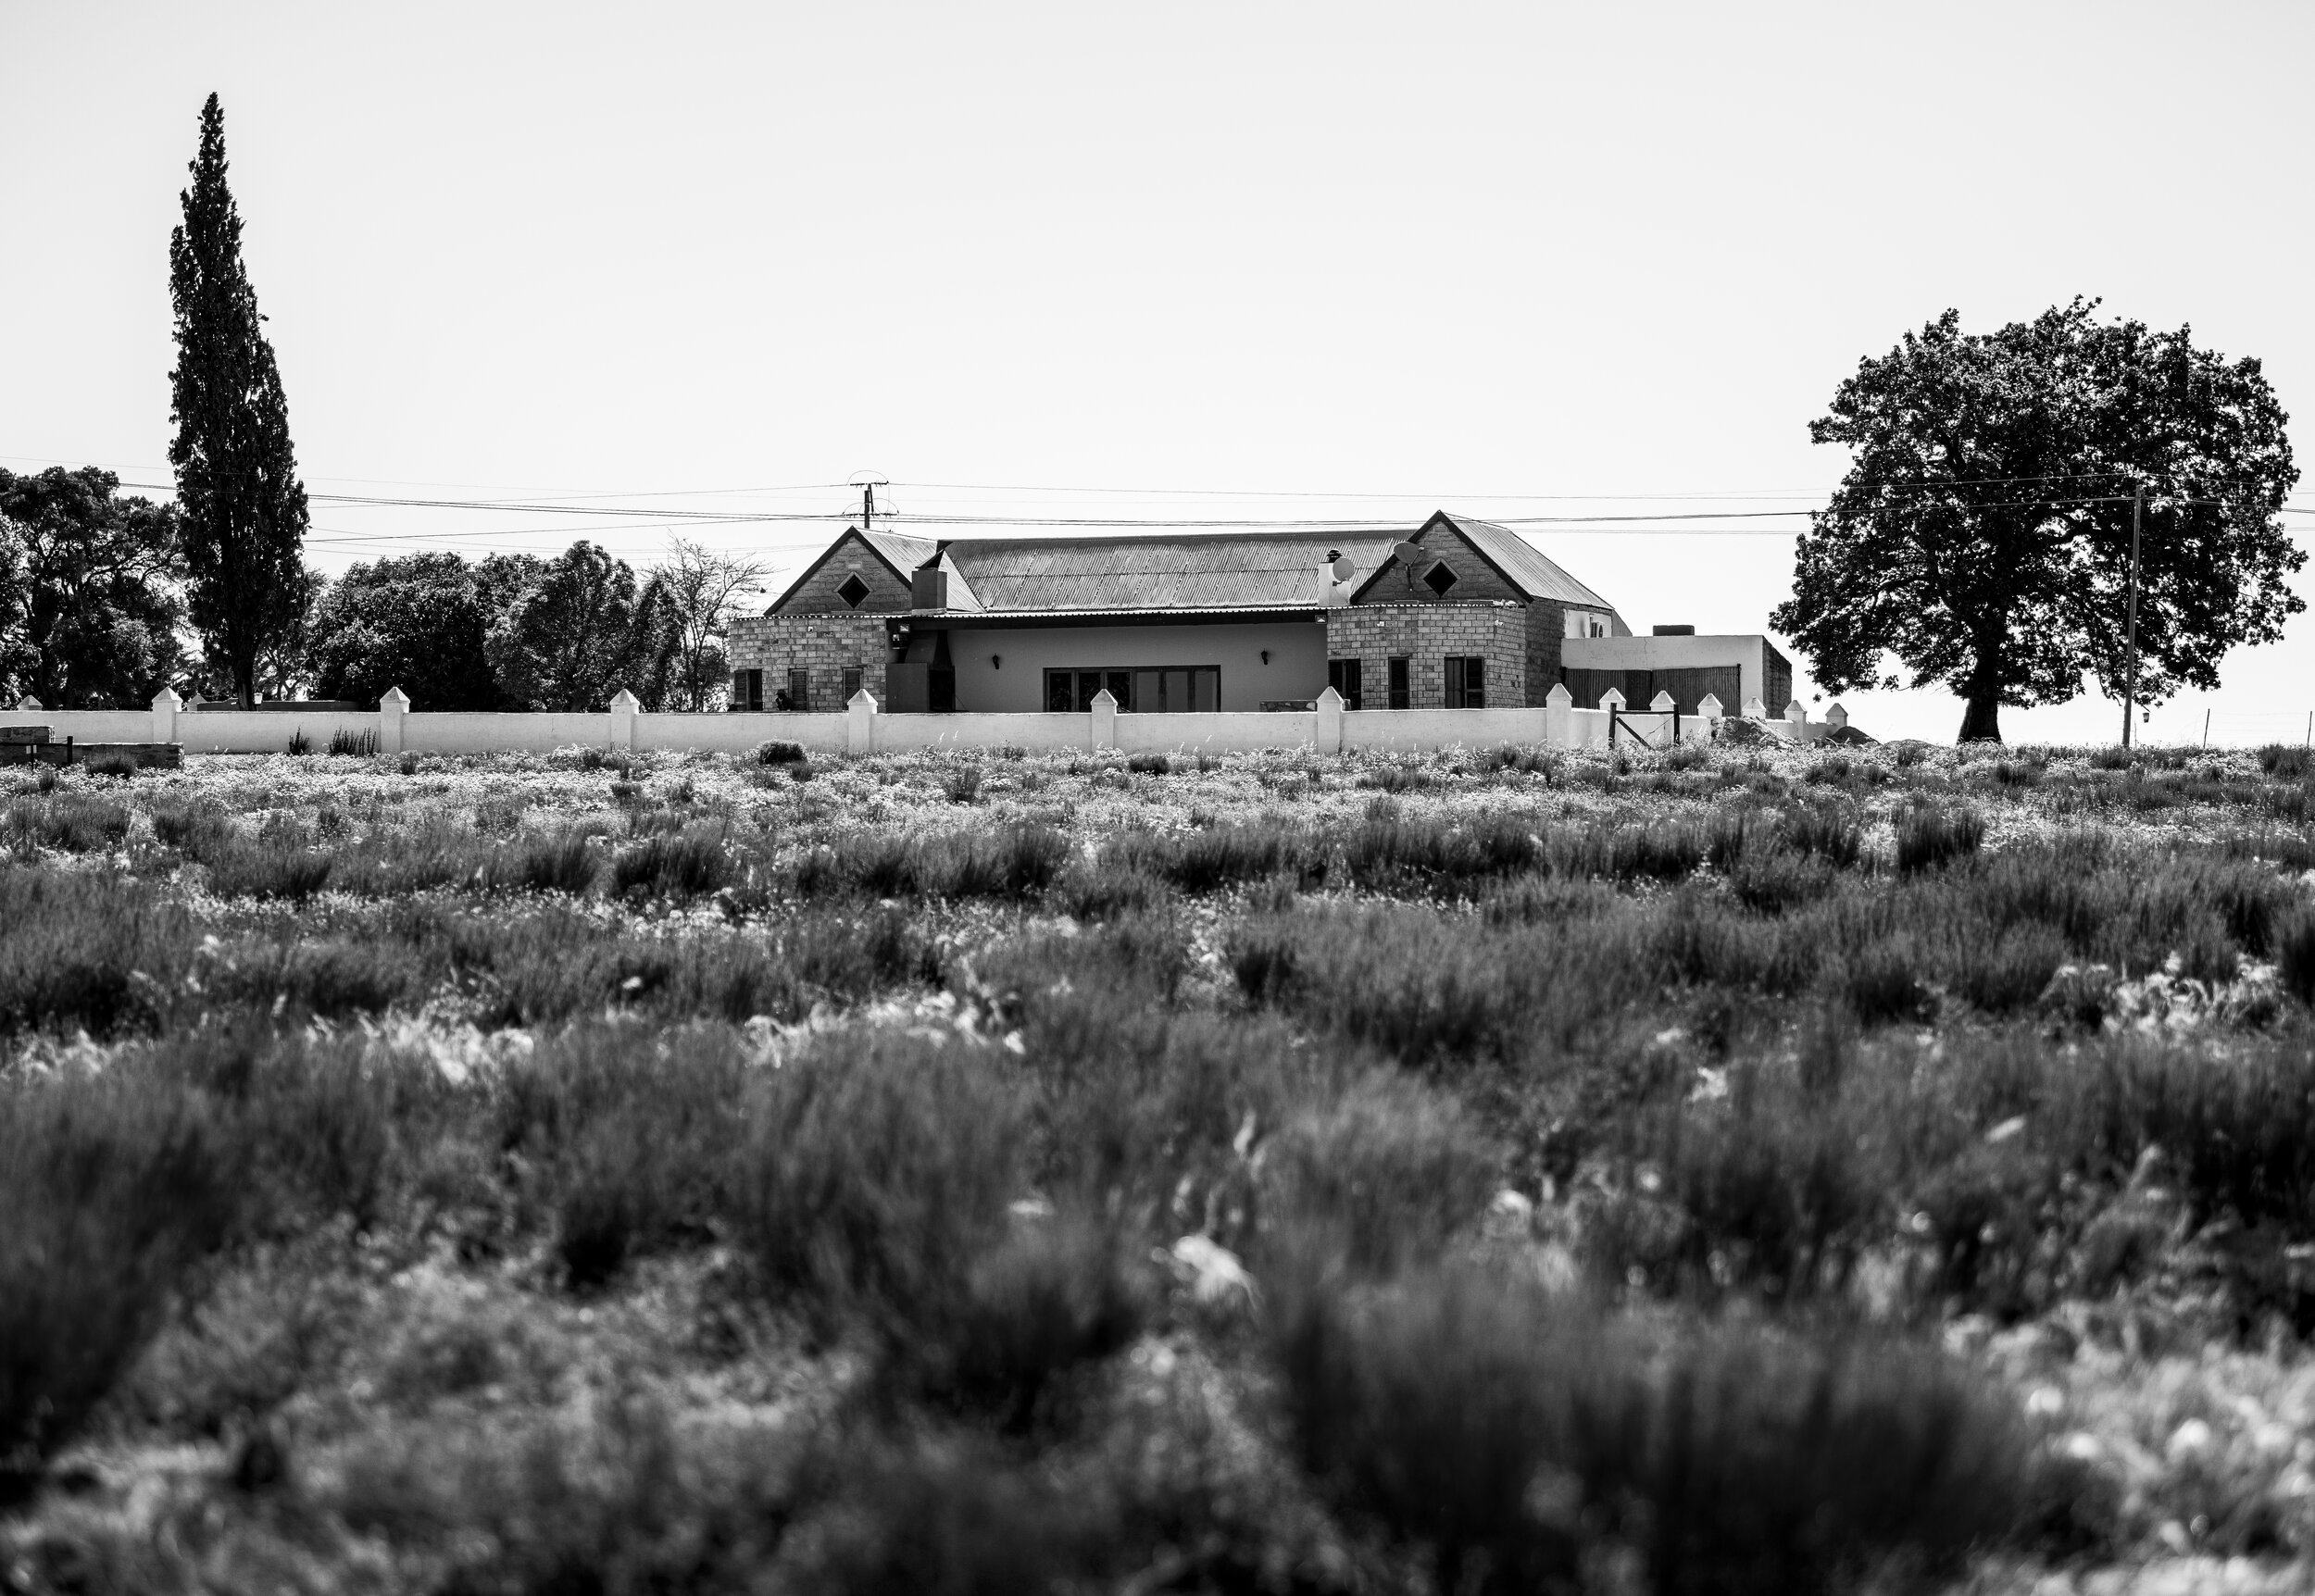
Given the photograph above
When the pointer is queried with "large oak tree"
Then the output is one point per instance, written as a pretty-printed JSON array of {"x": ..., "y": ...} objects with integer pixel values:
[
  {"x": 1982, "y": 536},
  {"x": 242, "y": 506}
]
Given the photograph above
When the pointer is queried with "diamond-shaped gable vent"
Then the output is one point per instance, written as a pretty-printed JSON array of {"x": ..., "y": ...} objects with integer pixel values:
[
  {"x": 1438, "y": 579},
  {"x": 852, "y": 589}
]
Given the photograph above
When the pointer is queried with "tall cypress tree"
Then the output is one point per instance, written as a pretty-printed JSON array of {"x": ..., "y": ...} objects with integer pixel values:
[{"x": 237, "y": 487}]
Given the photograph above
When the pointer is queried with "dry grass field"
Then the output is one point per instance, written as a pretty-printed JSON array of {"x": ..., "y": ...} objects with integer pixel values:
[{"x": 1744, "y": 1170}]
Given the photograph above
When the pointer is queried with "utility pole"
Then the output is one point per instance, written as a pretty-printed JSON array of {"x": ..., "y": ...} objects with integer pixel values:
[
  {"x": 2130, "y": 679},
  {"x": 867, "y": 523}
]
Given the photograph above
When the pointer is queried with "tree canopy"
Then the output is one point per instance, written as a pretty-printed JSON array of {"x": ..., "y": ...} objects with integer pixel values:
[
  {"x": 703, "y": 589},
  {"x": 1983, "y": 534},
  {"x": 88, "y": 615},
  {"x": 582, "y": 631},
  {"x": 418, "y": 623},
  {"x": 243, "y": 508}
]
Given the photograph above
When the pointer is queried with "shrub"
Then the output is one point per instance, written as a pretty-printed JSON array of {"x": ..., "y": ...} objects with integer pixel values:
[
  {"x": 1828, "y": 833},
  {"x": 877, "y": 1180},
  {"x": 1927, "y": 838},
  {"x": 2295, "y": 955},
  {"x": 962, "y": 785},
  {"x": 1399, "y": 779},
  {"x": 1881, "y": 983},
  {"x": 195, "y": 827},
  {"x": 1058, "y": 1290},
  {"x": 1508, "y": 1433},
  {"x": 88, "y": 952},
  {"x": 780, "y": 754},
  {"x": 875, "y": 1170},
  {"x": 628, "y": 1144},
  {"x": 1212, "y": 857},
  {"x": 562, "y": 862},
  {"x": 2007, "y": 974},
  {"x": 1775, "y": 880},
  {"x": 407, "y": 764},
  {"x": 672, "y": 866},
  {"x": 343, "y": 741},
  {"x": 2287, "y": 763},
  {"x": 315, "y": 1126},
  {"x": 299, "y": 743},
  {"x": 110, "y": 1189},
  {"x": 1390, "y": 1169},
  {"x": 73, "y": 824},
  {"x": 1149, "y": 765},
  {"x": 257, "y": 869},
  {"x": 119, "y": 766},
  {"x": 329, "y": 977}
]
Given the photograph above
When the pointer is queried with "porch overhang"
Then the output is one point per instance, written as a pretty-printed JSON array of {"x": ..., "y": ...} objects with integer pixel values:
[{"x": 1200, "y": 615}]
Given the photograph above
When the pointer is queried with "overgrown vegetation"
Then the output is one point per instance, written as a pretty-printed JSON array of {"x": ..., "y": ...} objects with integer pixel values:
[{"x": 1756, "y": 1171}]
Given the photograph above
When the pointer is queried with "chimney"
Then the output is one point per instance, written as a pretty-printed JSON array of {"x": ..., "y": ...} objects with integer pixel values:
[
  {"x": 1674, "y": 630},
  {"x": 928, "y": 587}
]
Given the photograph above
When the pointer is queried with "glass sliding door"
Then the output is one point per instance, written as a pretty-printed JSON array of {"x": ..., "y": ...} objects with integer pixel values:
[{"x": 1139, "y": 689}]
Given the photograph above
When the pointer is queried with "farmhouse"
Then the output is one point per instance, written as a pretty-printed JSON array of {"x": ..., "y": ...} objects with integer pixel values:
[{"x": 1454, "y": 614}]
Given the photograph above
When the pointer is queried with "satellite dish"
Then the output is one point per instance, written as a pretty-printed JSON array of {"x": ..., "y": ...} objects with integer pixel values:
[
  {"x": 1344, "y": 570},
  {"x": 1407, "y": 554}
]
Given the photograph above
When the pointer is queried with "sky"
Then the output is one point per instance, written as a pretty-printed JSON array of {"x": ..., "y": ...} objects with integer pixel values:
[{"x": 1245, "y": 261}]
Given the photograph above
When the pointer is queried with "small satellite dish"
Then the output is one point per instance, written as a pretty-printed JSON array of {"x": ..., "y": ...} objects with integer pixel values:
[
  {"x": 1344, "y": 570},
  {"x": 1407, "y": 554}
]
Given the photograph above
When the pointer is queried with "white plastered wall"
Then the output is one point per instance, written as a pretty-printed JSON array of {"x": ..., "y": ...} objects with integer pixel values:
[{"x": 1296, "y": 668}]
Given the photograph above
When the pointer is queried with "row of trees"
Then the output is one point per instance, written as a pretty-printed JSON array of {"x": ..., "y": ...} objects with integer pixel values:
[
  {"x": 512, "y": 632},
  {"x": 104, "y": 599},
  {"x": 97, "y": 611}
]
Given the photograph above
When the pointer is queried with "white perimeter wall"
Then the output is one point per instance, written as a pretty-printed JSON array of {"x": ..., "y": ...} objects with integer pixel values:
[
  {"x": 861, "y": 729},
  {"x": 1297, "y": 668}
]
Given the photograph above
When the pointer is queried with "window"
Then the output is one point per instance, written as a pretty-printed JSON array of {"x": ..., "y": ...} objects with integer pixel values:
[
  {"x": 1147, "y": 690},
  {"x": 852, "y": 589},
  {"x": 851, "y": 682},
  {"x": 1397, "y": 669},
  {"x": 1466, "y": 681},
  {"x": 1440, "y": 578},
  {"x": 1342, "y": 675},
  {"x": 747, "y": 689}
]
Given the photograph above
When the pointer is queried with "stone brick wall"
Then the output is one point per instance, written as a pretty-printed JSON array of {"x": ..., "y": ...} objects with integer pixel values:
[
  {"x": 1426, "y": 634},
  {"x": 1546, "y": 629},
  {"x": 850, "y": 555},
  {"x": 1475, "y": 579},
  {"x": 824, "y": 646}
]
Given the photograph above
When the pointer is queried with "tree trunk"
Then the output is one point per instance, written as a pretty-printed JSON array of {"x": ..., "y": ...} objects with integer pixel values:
[
  {"x": 246, "y": 683},
  {"x": 1981, "y": 721}
]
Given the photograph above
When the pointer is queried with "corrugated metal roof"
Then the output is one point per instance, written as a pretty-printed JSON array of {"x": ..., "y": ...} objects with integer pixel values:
[
  {"x": 905, "y": 552},
  {"x": 1233, "y": 570},
  {"x": 1121, "y": 573},
  {"x": 1526, "y": 566}
]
